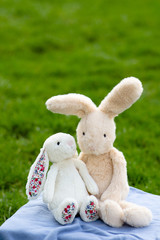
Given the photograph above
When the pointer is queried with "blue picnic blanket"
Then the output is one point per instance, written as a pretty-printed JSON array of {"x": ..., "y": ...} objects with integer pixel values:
[{"x": 34, "y": 221}]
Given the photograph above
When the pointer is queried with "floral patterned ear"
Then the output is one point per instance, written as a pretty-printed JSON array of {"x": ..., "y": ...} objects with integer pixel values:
[{"x": 37, "y": 175}]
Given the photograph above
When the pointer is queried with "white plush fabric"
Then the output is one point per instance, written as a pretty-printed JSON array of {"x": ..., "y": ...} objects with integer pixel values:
[{"x": 67, "y": 180}]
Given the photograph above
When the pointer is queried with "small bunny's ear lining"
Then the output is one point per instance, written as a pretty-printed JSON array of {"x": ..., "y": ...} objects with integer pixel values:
[
  {"x": 71, "y": 104},
  {"x": 122, "y": 96},
  {"x": 37, "y": 175}
]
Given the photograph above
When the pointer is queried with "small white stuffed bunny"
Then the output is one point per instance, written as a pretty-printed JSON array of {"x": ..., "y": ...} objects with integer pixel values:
[
  {"x": 64, "y": 190},
  {"x": 107, "y": 165}
]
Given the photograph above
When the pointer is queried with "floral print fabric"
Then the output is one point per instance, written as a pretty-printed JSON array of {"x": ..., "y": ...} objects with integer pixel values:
[
  {"x": 91, "y": 211},
  {"x": 38, "y": 174},
  {"x": 67, "y": 212}
]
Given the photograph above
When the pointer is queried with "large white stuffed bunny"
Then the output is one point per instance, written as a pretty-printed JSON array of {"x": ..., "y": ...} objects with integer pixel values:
[
  {"x": 64, "y": 190},
  {"x": 107, "y": 165}
]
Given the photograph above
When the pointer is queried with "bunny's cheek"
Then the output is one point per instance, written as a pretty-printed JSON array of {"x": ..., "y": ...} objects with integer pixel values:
[
  {"x": 84, "y": 147},
  {"x": 70, "y": 143}
]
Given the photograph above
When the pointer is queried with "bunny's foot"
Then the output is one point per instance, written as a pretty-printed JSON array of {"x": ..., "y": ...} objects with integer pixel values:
[
  {"x": 136, "y": 216},
  {"x": 89, "y": 209},
  {"x": 111, "y": 213},
  {"x": 66, "y": 211}
]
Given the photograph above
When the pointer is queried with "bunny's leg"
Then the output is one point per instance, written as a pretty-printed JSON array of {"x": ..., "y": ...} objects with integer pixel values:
[
  {"x": 134, "y": 215},
  {"x": 66, "y": 211},
  {"x": 111, "y": 213},
  {"x": 89, "y": 209}
]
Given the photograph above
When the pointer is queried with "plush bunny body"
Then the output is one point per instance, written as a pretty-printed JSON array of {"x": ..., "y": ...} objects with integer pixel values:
[
  {"x": 102, "y": 172},
  {"x": 106, "y": 164},
  {"x": 65, "y": 190},
  {"x": 66, "y": 180}
]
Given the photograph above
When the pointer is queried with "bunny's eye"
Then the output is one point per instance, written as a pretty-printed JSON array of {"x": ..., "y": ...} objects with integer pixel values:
[
  {"x": 83, "y": 133},
  {"x": 104, "y": 135},
  {"x": 58, "y": 143}
]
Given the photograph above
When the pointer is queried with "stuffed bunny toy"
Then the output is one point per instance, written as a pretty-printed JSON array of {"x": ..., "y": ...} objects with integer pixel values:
[
  {"x": 64, "y": 191},
  {"x": 106, "y": 164}
]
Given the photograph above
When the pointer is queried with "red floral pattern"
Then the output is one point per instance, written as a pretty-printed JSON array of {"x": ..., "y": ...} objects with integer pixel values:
[
  {"x": 91, "y": 211},
  {"x": 38, "y": 174},
  {"x": 68, "y": 212}
]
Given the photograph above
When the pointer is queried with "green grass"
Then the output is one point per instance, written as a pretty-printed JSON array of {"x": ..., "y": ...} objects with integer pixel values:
[{"x": 56, "y": 47}]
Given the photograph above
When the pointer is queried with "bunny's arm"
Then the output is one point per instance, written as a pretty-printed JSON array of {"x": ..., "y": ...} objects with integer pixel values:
[
  {"x": 88, "y": 180},
  {"x": 118, "y": 188},
  {"x": 50, "y": 184}
]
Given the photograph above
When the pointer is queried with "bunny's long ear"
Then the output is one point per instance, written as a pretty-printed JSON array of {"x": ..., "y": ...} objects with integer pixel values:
[
  {"x": 71, "y": 104},
  {"x": 37, "y": 175},
  {"x": 122, "y": 96}
]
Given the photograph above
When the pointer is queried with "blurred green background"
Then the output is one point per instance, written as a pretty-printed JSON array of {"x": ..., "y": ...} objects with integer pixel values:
[{"x": 56, "y": 47}]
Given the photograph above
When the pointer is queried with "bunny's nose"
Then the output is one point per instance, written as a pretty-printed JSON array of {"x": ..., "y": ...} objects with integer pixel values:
[{"x": 92, "y": 148}]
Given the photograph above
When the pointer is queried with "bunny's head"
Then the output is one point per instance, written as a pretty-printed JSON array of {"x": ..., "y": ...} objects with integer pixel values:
[
  {"x": 96, "y": 129},
  {"x": 59, "y": 147}
]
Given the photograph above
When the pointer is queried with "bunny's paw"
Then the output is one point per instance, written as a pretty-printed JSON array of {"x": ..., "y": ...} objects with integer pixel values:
[
  {"x": 89, "y": 209},
  {"x": 66, "y": 211}
]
